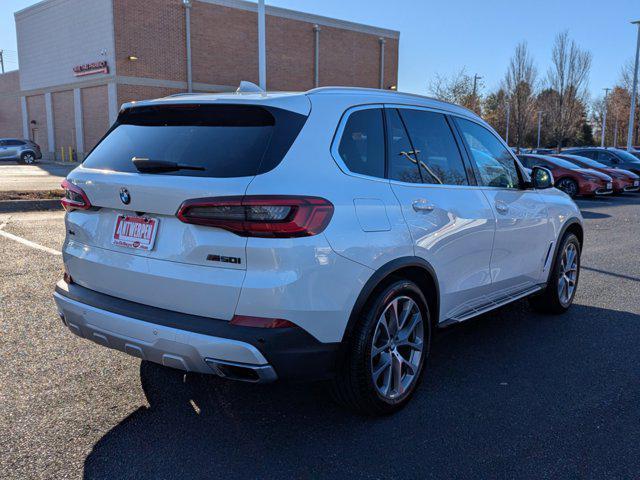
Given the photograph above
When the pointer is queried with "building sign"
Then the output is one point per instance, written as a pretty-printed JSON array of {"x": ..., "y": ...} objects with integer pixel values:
[{"x": 91, "y": 68}]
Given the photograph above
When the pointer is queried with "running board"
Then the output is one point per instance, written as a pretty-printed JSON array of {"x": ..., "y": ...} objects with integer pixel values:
[{"x": 492, "y": 305}]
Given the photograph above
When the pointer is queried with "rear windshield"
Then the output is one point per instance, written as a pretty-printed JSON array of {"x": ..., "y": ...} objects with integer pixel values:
[{"x": 224, "y": 140}]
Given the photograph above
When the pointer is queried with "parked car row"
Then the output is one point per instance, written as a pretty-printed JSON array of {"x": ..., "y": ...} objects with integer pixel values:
[
  {"x": 21, "y": 151},
  {"x": 590, "y": 171}
]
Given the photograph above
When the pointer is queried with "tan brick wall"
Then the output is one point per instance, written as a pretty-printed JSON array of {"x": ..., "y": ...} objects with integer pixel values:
[
  {"x": 63, "y": 120},
  {"x": 223, "y": 44},
  {"x": 95, "y": 114},
  {"x": 154, "y": 31},
  {"x": 38, "y": 131},
  {"x": 10, "y": 110},
  {"x": 128, "y": 93}
]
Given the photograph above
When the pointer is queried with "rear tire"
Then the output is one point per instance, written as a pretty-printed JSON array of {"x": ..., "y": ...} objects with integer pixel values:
[
  {"x": 385, "y": 358},
  {"x": 561, "y": 288}
]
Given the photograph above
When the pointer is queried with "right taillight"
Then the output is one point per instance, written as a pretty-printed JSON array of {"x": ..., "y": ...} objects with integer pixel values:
[
  {"x": 274, "y": 216},
  {"x": 74, "y": 197}
]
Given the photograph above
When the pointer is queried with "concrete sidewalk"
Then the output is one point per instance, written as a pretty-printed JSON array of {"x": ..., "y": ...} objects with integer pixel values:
[{"x": 29, "y": 178}]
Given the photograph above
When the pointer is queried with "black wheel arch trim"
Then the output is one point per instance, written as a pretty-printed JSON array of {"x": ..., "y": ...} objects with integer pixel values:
[
  {"x": 381, "y": 275},
  {"x": 563, "y": 230}
]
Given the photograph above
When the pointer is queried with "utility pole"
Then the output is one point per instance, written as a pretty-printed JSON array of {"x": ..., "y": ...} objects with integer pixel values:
[
  {"x": 634, "y": 90},
  {"x": 539, "y": 126},
  {"x": 1, "y": 61},
  {"x": 506, "y": 135},
  {"x": 476, "y": 77},
  {"x": 262, "y": 49},
  {"x": 604, "y": 116}
]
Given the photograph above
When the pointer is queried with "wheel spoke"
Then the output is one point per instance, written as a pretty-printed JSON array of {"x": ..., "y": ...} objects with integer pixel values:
[
  {"x": 396, "y": 367},
  {"x": 384, "y": 365}
]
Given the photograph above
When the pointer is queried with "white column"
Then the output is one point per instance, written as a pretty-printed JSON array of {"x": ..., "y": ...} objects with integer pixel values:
[
  {"x": 112, "y": 99},
  {"x": 187, "y": 19},
  {"x": 262, "y": 48},
  {"x": 25, "y": 118},
  {"x": 77, "y": 109},
  {"x": 51, "y": 137}
]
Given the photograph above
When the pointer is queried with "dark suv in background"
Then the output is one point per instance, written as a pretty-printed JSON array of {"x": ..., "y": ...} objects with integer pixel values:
[
  {"x": 21, "y": 151},
  {"x": 612, "y": 157}
]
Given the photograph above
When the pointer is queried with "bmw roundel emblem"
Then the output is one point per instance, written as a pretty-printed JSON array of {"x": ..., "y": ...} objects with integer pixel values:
[{"x": 124, "y": 196}]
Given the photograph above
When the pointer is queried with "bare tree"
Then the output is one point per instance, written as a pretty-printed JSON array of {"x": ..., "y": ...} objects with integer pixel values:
[
  {"x": 519, "y": 85},
  {"x": 457, "y": 88},
  {"x": 568, "y": 76}
]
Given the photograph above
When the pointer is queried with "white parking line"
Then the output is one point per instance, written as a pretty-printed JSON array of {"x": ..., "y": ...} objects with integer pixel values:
[{"x": 26, "y": 242}]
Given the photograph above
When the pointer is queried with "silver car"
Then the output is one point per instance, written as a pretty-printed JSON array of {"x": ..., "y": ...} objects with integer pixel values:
[{"x": 22, "y": 151}]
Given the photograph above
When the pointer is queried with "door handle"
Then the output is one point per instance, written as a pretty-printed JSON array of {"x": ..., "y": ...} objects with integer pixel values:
[
  {"x": 501, "y": 207},
  {"x": 422, "y": 206}
]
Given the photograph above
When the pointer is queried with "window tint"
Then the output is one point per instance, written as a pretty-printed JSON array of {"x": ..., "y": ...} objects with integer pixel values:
[
  {"x": 605, "y": 157},
  {"x": 495, "y": 164},
  {"x": 403, "y": 165},
  {"x": 586, "y": 153},
  {"x": 225, "y": 140},
  {"x": 14, "y": 143},
  {"x": 435, "y": 148},
  {"x": 362, "y": 143}
]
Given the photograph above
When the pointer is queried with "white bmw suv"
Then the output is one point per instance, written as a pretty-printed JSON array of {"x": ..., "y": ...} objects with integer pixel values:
[{"x": 316, "y": 235}]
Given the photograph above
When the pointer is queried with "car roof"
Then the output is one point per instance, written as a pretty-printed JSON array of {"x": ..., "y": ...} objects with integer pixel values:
[{"x": 299, "y": 101}]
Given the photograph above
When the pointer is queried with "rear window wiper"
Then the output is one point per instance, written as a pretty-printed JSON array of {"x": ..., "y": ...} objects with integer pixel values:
[{"x": 146, "y": 165}]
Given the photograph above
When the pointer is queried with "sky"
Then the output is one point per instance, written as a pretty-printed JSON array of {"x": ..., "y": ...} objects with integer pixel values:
[{"x": 478, "y": 35}]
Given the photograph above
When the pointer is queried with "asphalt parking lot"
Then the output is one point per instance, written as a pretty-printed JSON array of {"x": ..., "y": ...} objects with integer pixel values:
[
  {"x": 41, "y": 176},
  {"x": 513, "y": 394}
]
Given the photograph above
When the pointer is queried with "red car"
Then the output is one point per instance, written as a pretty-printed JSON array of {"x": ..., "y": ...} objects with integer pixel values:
[
  {"x": 623, "y": 180},
  {"x": 569, "y": 177}
]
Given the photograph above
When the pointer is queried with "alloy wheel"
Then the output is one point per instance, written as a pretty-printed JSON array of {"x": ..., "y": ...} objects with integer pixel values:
[
  {"x": 28, "y": 158},
  {"x": 568, "y": 275},
  {"x": 397, "y": 348},
  {"x": 568, "y": 186}
]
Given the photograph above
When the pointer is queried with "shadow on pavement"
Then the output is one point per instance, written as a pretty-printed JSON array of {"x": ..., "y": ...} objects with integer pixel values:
[{"x": 512, "y": 393}]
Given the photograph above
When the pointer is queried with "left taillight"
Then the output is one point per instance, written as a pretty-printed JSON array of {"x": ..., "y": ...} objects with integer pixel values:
[
  {"x": 271, "y": 216},
  {"x": 74, "y": 197}
]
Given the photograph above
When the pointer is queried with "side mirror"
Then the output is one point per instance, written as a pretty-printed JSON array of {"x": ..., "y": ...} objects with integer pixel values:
[{"x": 541, "y": 178}]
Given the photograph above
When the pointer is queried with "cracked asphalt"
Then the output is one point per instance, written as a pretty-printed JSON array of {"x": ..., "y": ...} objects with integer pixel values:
[{"x": 512, "y": 394}]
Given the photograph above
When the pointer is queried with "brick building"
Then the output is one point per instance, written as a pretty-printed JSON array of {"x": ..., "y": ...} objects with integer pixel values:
[{"x": 81, "y": 59}]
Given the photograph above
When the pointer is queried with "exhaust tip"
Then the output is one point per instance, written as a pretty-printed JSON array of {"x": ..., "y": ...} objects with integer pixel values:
[{"x": 241, "y": 371}]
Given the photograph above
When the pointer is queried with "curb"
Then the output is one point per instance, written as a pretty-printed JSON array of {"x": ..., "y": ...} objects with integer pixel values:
[{"x": 29, "y": 205}]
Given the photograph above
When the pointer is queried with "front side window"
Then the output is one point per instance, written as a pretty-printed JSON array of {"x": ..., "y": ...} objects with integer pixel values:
[
  {"x": 403, "y": 164},
  {"x": 435, "y": 148},
  {"x": 362, "y": 144},
  {"x": 496, "y": 166}
]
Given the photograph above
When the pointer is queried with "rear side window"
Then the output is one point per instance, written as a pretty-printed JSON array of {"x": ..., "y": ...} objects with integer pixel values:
[
  {"x": 362, "y": 144},
  {"x": 495, "y": 164},
  {"x": 439, "y": 159},
  {"x": 14, "y": 143},
  {"x": 224, "y": 140}
]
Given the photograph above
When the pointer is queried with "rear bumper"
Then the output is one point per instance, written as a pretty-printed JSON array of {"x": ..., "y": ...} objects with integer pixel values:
[{"x": 191, "y": 342}]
